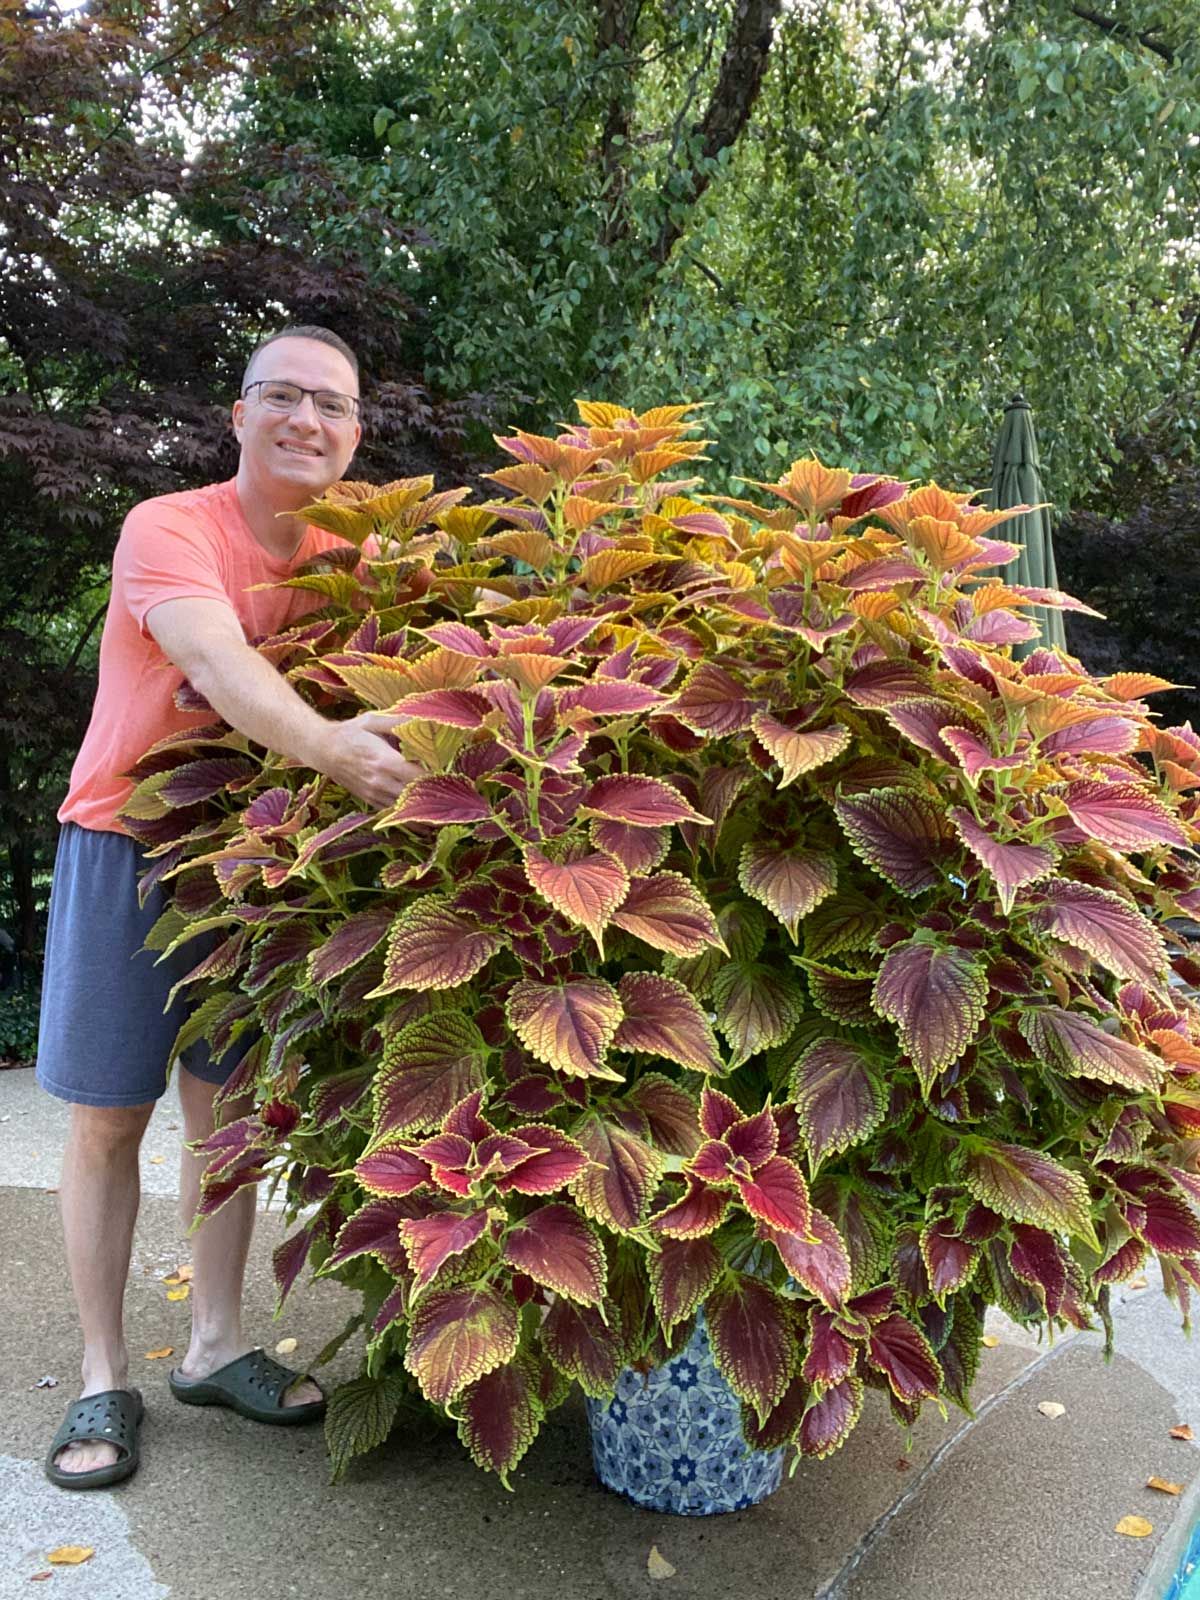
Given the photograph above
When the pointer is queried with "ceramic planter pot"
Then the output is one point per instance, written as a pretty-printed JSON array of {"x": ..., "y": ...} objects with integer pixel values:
[{"x": 671, "y": 1440}]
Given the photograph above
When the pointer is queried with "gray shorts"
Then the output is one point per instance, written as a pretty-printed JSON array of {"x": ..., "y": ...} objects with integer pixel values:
[{"x": 104, "y": 1038}]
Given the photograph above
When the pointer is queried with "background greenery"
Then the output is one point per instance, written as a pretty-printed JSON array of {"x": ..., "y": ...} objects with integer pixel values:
[{"x": 853, "y": 227}]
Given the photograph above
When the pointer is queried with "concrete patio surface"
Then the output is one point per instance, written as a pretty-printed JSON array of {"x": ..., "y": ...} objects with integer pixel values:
[{"x": 1011, "y": 1505}]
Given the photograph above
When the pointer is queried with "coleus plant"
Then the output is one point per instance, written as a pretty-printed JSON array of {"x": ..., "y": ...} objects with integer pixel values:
[{"x": 762, "y": 939}]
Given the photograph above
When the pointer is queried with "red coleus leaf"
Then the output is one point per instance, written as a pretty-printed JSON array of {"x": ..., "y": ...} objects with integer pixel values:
[
  {"x": 936, "y": 997},
  {"x": 823, "y": 1267},
  {"x": 373, "y": 1230},
  {"x": 447, "y": 799},
  {"x": 925, "y": 720},
  {"x": 279, "y": 949},
  {"x": 899, "y": 834},
  {"x": 1123, "y": 815},
  {"x": 753, "y": 1340},
  {"x": 556, "y": 1161},
  {"x": 616, "y": 1190},
  {"x": 669, "y": 913},
  {"x": 714, "y": 702},
  {"x": 978, "y": 757},
  {"x": 718, "y": 1113},
  {"x": 1039, "y": 1260},
  {"x": 662, "y": 1018},
  {"x": 1122, "y": 1264},
  {"x": 456, "y": 1336},
  {"x": 830, "y": 1356},
  {"x": 1011, "y": 865},
  {"x": 391, "y": 1169},
  {"x": 949, "y": 1260},
  {"x": 585, "y": 1346},
  {"x": 830, "y": 1418},
  {"x": 432, "y": 1241},
  {"x": 642, "y": 802},
  {"x": 799, "y": 750},
  {"x": 1166, "y": 1223},
  {"x": 287, "y": 1262},
  {"x": 839, "y": 1098},
  {"x": 1073, "y": 1044},
  {"x": 586, "y": 891},
  {"x": 1028, "y": 1186},
  {"x": 427, "y": 1068},
  {"x": 556, "y": 1248},
  {"x": 609, "y": 697},
  {"x": 432, "y": 946},
  {"x": 700, "y": 1212},
  {"x": 356, "y": 938},
  {"x": 1106, "y": 926},
  {"x": 789, "y": 882},
  {"x": 902, "y": 1353},
  {"x": 682, "y": 1276},
  {"x": 639, "y": 850},
  {"x": 669, "y": 1111},
  {"x": 200, "y": 780},
  {"x": 452, "y": 708},
  {"x": 569, "y": 1024},
  {"x": 499, "y": 1416}
]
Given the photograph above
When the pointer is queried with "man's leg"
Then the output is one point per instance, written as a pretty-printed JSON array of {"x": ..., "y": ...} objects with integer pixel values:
[
  {"x": 219, "y": 1248},
  {"x": 99, "y": 1193}
]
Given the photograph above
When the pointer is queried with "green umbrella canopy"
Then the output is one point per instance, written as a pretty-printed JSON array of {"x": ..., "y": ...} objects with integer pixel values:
[{"x": 1016, "y": 481}]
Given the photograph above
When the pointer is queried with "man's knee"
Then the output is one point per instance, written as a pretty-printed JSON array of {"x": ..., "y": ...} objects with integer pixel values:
[{"x": 110, "y": 1129}]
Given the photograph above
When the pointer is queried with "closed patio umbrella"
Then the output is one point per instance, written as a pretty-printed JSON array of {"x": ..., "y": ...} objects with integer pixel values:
[{"x": 1017, "y": 480}]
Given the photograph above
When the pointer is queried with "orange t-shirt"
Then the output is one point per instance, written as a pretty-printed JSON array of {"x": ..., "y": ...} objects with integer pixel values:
[{"x": 191, "y": 546}]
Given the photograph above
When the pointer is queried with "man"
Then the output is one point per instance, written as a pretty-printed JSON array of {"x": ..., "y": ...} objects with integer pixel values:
[{"x": 182, "y": 606}]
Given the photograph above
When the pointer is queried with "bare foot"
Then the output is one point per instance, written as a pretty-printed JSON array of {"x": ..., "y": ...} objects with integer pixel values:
[
  {"x": 203, "y": 1363},
  {"x": 92, "y": 1453}
]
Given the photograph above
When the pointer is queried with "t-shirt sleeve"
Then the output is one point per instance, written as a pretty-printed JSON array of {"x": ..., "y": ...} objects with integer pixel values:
[{"x": 165, "y": 553}]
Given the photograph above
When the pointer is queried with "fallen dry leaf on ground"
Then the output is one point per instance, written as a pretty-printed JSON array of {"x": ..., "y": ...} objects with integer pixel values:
[
  {"x": 1183, "y": 1431},
  {"x": 184, "y": 1273},
  {"x": 157, "y": 1161},
  {"x": 285, "y": 1347},
  {"x": 71, "y": 1555},
  {"x": 1134, "y": 1527},
  {"x": 990, "y": 1340},
  {"x": 1135, "y": 1283},
  {"x": 1052, "y": 1408},
  {"x": 179, "y": 1294},
  {"x": 45, "y": 1383},
  {"x": 40, "y": 1577},
  {"x": 658, "y": 1566},
  {"x": 160, "y": 1355},
  {"x": 1164, "y": 1486}
]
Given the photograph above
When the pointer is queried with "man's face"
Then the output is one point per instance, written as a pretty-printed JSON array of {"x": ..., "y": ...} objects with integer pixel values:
[{"x": 298, "y": 450}]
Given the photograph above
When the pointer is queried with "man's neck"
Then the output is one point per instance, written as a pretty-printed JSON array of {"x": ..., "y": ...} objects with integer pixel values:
[{"x": 271, "y": 520}]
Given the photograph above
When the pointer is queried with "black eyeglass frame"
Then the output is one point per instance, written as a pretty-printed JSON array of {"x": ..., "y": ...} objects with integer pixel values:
[{"x": 287, "y": 383}]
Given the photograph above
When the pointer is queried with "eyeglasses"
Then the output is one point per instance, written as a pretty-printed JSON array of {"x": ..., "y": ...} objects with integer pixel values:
[{"x": 280, "y": 396}]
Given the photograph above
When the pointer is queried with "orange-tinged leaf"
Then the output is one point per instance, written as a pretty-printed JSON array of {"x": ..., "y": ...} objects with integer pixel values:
[
  {"x": 977, "y": 523},
  {"x": 1164, "y": 1486},
  {"x": 530, "y": 670},
  {"x": 874, "y": 607},
  {"x": 1133, "y": 685},
  {"x": 601, "y": 414},
  {"x": 942, "y": 543},
  {"x": 530, "y": 545},
  {"x": 1183, "y": 1430},
  {"x": 581, "y": 510},
  {"x": 648, "y": 464},
  {"x": 1179, "y": 778},
  {"x": 610, "y": 566},
  {"x": 586, "y": 892},
  {"x": 162, "y": 1354},
  {"x": 531, "y": 481},
  {"x": 440, "y": 668},
  {"x": 378, "y": 686},
  {"x": 71, "y": 1555},
  {"x": 1134, "y": 1527},
  {"x": 466, "y": 523}
]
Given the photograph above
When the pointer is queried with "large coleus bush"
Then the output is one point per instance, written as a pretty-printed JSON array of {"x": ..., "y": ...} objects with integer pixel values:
[{"x": 763, "y": 938}]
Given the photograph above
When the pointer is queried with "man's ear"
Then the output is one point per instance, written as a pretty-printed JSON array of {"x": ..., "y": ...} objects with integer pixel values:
[{"x": 238, "y": 417}]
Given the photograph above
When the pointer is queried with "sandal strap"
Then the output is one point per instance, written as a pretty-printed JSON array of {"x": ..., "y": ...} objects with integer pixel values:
[
  {"x": 257, "y": 1377},
  {"x": 111, "y": 1417}
]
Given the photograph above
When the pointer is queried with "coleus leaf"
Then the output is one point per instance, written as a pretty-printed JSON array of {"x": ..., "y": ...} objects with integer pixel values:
[
  {"x": 390, "y": 1169},
  {"x": 569, "y": 1024},
  {"x": 1103, "y": 924},
  {"x": 701, "y": 1211},
  {"x": 610, "y": 697},
  {"x": 643, "y": 802},
  {"x": 639, "y": 850},
  {"x": 714, "y": 702},
  {"x": 499, "y": 1416},
  {"x": 758, "y": 1006},
  {"x": 670, "y": 1113},
  {"x": 556, "y": 1248},
  {"x": 830, "y": 1419},
  {"x": 1123, "y": 815},
  {"x": 822, "y": 1267},
  {"x": 789, "y": 882},
  {"x": 753, "y": 1340},
  {"x": 586, "y": 891},
  {"x": 799, "y": 750},
  {"x": 663, "y": 1019},
  {"x": 445, "y": 799},
  {"x": 949, "y": 1260},
  {"x": 959, "y": 1355},
  {"x": 937, "y": 999},
  {"x": 585, "y": 1346},
  {"x": 777, "y": 1195},
  {"x": 287, "y": 1262},
  {"x": 830, "y": 1355},
  {"x": 373, "y": 1230},
  {"x": 456, "y": 1336},
  {"x": 1037, "y": 1258},
  {"x": 840, "y": 995},
  {"x": 428, "y": 1067},
  {"x": 839, "y": 1098},
  {"x": 432, "y": 946},
  {"x": 617, "y": 1189},
  {"x": 452, "y": 708},
  {"x": 682, "y": 1276},
  {"x": 1012, "y": 865},
  {"x": 669, "y": 913},
  {"x": 902, "y": 1353},
  {"x": 432, "y": 1241},
  {"x": 1069, "y": 1042},
  {"x": 556, "y": 1161},
  {"x": 781, "y": 1423},
  {"x": 1166, "y": 1223},
  {"x": 345, "y": 948},
  {"x": 897, "y": 833},
  {"x": 200, "y": 780},
  {"x": 1029, "y": 1186}
]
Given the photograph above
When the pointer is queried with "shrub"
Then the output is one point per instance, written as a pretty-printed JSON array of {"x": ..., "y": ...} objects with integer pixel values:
[{"x": 763, "y": 937}]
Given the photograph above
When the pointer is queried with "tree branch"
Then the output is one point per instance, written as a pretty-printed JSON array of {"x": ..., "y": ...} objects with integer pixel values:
[
  {"x": 1122, "y": 30},
  {"x": 614, "y": 38}
]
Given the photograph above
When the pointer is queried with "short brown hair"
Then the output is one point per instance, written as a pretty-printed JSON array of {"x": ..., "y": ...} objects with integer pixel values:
[{"x": 304, "y": 330}]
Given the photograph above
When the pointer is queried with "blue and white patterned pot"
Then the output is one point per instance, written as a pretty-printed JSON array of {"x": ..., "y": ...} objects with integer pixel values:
[{"x": 671, "y": 1440}]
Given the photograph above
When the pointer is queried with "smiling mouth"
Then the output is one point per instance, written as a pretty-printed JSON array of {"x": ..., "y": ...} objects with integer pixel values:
[{"x": 300, "y": 449}]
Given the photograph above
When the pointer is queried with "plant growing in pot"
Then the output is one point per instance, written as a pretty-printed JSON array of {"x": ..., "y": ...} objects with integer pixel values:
[{"x": 768, "y": 965}]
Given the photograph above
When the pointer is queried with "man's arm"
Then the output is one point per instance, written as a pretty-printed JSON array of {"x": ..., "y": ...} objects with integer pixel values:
[{"x": 204, "y": 639}]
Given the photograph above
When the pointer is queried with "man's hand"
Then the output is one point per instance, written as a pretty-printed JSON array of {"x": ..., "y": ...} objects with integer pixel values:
[{"x": 359, "y": 757}]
